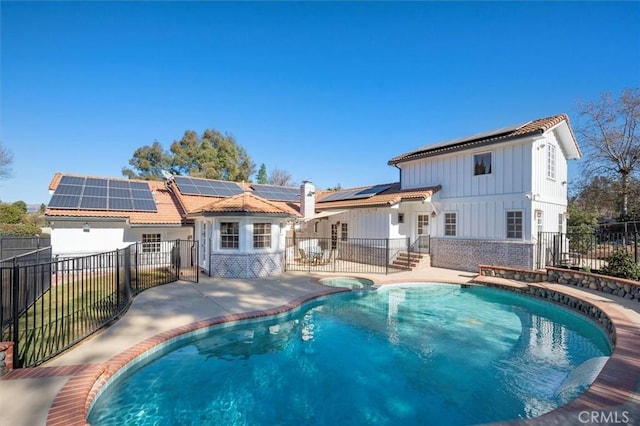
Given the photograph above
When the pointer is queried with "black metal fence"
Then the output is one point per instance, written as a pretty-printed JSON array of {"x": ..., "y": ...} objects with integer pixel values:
[
  {"x": 584, "y": 250},
  {"x": 11, "y": 246},
  {"x": 48, "y": 307},
  {"x": 357, "y": 255}
]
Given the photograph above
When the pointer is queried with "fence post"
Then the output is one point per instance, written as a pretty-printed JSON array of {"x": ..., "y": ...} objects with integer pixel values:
[
  {"x": 15, "y": 312},
  {"x": 118, "y": 279},
  {"x": 409, "y": 253},
  {"x": 635, "y": 247},
  {"x": 386, "y": 264}
]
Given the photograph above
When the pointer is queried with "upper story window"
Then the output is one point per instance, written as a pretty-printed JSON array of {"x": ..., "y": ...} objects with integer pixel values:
[
  {"x": 261, "y": 235},
  {"x": 229, "y": 235},
  {"x": 482, "y": 164},
  {"x": 450, "y": 224},
  {"x": 150, "y": 243},
  {"x": 514, "y": 224},
  {"x": 551, "y": 161}
]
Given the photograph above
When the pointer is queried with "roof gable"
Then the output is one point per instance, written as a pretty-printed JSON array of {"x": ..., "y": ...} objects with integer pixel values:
[
  {"x": 531, "y": 128},
  {"x": 243, "y": 204}
]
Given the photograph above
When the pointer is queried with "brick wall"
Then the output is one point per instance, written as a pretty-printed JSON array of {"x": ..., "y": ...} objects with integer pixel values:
[{"x": 468, "y": 255}]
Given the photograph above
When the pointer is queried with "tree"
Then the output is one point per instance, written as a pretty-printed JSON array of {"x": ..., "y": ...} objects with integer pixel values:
[
  {"x": 261, "y": 177},
  {"x": 281, "y": 178},
  {"x": 611, "y": 140},
  {"x": 149, "y": 161},
  {"x": 6, "y": 159},
  {"x": 214, "y": 156}
]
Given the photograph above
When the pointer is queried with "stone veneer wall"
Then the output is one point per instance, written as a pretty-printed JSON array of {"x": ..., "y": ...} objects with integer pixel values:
[
  {"x": 6, "y": 357},
  {"x": 246, "y": 265},
  {"x": 533, "y": 277},
  {"x": 468, "y": 255},
  {"x": 628, "y": 289}
]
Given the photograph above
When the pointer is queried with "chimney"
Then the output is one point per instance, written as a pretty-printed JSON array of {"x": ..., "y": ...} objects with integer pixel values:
[{"x": 307, "y": 199}]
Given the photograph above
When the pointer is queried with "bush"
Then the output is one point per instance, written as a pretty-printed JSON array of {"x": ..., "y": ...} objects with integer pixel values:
[{"x": 621, "y": 264}]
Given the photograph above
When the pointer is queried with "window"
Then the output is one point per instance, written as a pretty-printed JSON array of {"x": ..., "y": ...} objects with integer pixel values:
[
  {"x": 514, "y": 224},
  {"x": 561, "y": 222},
  {"x": 482, "y": 164},
  {"x": 150, "y": 243},
  {"x": 400, "y": 217},
  {"x": 261, "y": 235},
  {"x": 229, "y": 235},
  {"x": 450, "y": 224},
  {"x": 539, "y": 221},
  {"x": 551, "y": 161},
  {"x": 343, "y": 231}
]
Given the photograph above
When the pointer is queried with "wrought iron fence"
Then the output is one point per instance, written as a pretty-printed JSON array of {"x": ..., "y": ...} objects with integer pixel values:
[
  {"x": 358, "y": 255},
  {"x": 581, "y": 250},
  {"x": 48, "y": 307}
]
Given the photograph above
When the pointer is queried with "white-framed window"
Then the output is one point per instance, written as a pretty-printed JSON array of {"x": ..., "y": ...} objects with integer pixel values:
[
  {"x": 150, "y": 243},
  {"x": 450, "y": 224},
  {"x": 482, "y": 164},
  {"x": 344, "y": 231},
  {"x": 230, "y": 235},
  {"x": 551, "y": 161},
  {"x": 514, "y": 224},
  {"x": 261, "y": 235},
  {"x": 540, "y": 221},
  {"x": 561, "y": 222}
]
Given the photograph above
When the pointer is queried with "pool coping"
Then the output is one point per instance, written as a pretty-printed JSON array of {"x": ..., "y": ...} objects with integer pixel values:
[{"x": 616, "y": 385}]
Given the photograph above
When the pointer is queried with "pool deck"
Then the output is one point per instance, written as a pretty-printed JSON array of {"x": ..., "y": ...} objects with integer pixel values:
[{"x": 56, "y": 392}]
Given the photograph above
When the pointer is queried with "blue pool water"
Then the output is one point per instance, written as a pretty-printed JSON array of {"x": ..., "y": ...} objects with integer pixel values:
[{"x": 422, "y": 354}]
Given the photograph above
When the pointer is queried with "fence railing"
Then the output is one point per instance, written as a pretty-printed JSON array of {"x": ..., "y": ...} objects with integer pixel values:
[
  {"x": 48, "y": 307},
  {"x": 584, "y": 250},
  {"x": 359, "y": 255}
]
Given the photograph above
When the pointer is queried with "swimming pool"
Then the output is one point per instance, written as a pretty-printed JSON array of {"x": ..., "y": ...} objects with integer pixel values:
[{"x": 403, "y": 354}]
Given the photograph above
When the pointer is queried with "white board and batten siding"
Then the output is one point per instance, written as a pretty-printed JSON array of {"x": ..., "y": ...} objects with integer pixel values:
[{"x": 480, "y": 202}]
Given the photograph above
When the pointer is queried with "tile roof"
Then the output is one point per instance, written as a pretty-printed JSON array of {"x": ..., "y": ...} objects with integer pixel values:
[
  {"x": 167, "y": 212},
  {"x": 386, "y": 198},
  {"x": 246, "y": 203},
  {"x": 535, "y": 127}
]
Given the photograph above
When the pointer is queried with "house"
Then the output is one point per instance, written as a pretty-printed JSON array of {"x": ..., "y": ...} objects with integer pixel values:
[
  {"x": 476, "y": 200},
  {"x": 481, "y": 199},
  {"x": 240, "y": 227}
]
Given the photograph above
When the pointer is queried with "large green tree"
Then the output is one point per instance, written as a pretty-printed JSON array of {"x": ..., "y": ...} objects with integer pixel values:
[
  {"x": 148, "y": 162},
  {"x": 213, "y": 156},
  {"x": 610, "y": 133}
]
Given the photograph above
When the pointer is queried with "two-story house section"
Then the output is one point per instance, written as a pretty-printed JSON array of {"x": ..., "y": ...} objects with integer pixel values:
[{"x": 498, "y": 190}]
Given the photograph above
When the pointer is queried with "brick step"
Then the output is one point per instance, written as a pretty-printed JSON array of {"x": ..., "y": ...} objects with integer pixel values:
[{"x": 404, "y": 261}]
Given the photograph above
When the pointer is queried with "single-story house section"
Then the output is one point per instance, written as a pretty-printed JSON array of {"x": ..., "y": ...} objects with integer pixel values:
[{"x": 90, "y": 215}]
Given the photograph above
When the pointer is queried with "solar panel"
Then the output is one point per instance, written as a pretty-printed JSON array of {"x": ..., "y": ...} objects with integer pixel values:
[
  {"x": 207, "y": 187},
  {"x": 64, "y": 201},
  {"x": 75, "y": 192},
  {"x": 356, "y": 194},
  {"x": 276, "y": 193},
  {"x": 93, "y": 203}
]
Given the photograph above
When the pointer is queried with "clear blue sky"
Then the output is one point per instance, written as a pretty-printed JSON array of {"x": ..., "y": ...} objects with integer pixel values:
[{"x": 328, "y": 91}]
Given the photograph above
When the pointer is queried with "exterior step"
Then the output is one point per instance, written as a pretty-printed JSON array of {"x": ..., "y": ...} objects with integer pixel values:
[{"x": 416, "y": 260}]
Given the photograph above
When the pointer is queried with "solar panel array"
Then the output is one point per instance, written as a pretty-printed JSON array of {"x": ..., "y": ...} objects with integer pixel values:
[
  {"x": 86, "y": 193},
  {"x": 276, "y": 193},
  {"x": 210, "y": 188},
  {"x": 356, "y": 194}
]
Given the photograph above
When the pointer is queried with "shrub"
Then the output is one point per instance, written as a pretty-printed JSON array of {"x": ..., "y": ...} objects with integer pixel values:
[{"x": 621, "y": 264}]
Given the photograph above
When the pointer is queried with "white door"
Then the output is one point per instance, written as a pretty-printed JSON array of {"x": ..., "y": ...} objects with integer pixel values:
[{"x": 422, "y": 231}]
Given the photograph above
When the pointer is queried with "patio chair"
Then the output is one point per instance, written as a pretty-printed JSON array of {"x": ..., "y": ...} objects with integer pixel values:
[
  {"x": 303, "y": 256},
  {"x": 325, "y": 257}
]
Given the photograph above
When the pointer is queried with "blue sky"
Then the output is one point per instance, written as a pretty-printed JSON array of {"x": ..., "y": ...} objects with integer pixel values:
[{"x": 328, "y": 91}]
